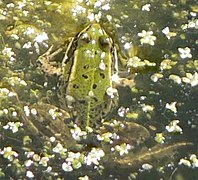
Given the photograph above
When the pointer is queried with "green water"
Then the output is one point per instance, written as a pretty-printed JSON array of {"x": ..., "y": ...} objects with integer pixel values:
[{"x": 158, "y": 98}]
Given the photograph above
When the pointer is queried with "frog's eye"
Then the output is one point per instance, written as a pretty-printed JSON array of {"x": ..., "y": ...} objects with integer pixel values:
[
  {"x": 84, "y": 39},
  {"x": 105, "y": 42}
]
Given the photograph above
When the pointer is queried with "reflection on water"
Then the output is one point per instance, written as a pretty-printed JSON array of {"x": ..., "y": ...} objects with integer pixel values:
[{"x": 152, "y": 132}]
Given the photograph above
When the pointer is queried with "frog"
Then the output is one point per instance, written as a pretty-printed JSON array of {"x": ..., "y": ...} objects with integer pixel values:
[
  {"x": 86, "y": 86},
  {"x": 88, "y": 77}
]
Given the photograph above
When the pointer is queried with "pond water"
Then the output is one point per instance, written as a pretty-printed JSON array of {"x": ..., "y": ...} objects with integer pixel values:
[{"x": 157, "y": 104}]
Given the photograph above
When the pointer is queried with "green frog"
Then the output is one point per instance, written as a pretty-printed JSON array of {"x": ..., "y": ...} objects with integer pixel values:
[{"x": 86, "y": 74}]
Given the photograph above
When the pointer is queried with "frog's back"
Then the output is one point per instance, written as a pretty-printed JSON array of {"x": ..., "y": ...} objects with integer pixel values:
[{"x": 90, "y": 75}]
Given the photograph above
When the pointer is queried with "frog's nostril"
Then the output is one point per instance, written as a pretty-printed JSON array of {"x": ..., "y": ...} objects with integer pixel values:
[
  {"x": 75, "y": 86},
  {"x": 86, "y": 66}
]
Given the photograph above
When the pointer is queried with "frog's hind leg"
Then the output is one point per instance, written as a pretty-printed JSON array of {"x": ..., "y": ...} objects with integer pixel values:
[{"x": 47, "y": 66}]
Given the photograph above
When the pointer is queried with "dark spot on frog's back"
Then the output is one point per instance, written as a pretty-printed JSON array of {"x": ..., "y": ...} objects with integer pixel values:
[
  {"x": 94, "y": 86},
  {"x": 102, "y": 75},
  {"x": 85, "y": 76}
]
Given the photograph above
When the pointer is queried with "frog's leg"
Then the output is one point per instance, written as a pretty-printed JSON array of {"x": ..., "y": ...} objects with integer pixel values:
[
  {"x": 118, "y": 81},
  {"x": 66, "y": 58},
  {"x": 47, "y": 66}
]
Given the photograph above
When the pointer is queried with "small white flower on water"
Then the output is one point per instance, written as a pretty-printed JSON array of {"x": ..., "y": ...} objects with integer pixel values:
[
  {"x": 35, "y": 157},
  {"x": 22, "y": 82},
  {"x": 44, "y": 161},
  {"x": 135, "y": 62},
  {"x": 41, "y": 37},
  {"x": 72, "y": 156},
  {"x": 194, "y": 160},
  {"x": 26, "y": 110},
  {"x": 159, "y": 138},
  {"x": 123, "y": 148},
  {"x": 78, "y": 10},
  {"x": 106, "y": 137},
  {"x": 94, "y": 156},
  {"x": 109, "y": 18},
  {"x": 59, "y": 148},
  {"x": 14, "y": 36},
  {"x": 29, "y": 154},
  {"x": 167, "y": 33},
  {"x": 147, "y": 108},
  {"x": 14, "y": 113},
  {"x": 147, "y": 166},
  {"x": 8, "y": 52},
  {"x": 106, "y": 7},
  {"x": 185, "y": 162},
  {"x": 97, "y": 4},
  {"x": 91, "y": 17},
  {"x": 28, "y": 163},
  {"x": 155, "y": 77},
  {"x": 93, "y": 41},
  {"x": 171, "y": 106},
  {"x": 175, "y": 78},
  {"x": 25, "y": 12},
  {"x": 70, "y": 100},
  {"x": 112, "y": 92},
  {"x": 33, "y": 111},
  {"x": 146, "y": 7},
  {"x": 75, "y": 159},
  {"x": 52, "y": 139},
  {"x": 185, "y": 52},
  {"x": 4, "y": 91},
  {"x": 77, "y": 133},
  {"x": 21, "y": 4},
  {"x": 127, "y": 45},
  {"x": 193, "y": 24},
  {"x": 147, "y": 37},
  {"x": 5, "y": 111},
  {"x": 11, "y": 94},
  {"x": 167, "y": 64},
  {"x": 29, "y": 174},
  {"x": 191, "y": 79},
  {"x": 8, "y": 153},
  {"x": 122, "y": 111},
  {"x": 49, "y": 169},
  {"x": 174, "y": 127},
  {"x": 14, "y": 126},
  {"x": 53, "y": 114},
  {"x": 29, "y": 31},
  {"x": 10, "y": 5},
  {"x": 84, "y": 178},
  {"x": 67, "y": 167}
]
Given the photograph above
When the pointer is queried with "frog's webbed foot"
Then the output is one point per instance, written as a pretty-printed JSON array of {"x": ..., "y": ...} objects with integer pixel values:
[{"x": 47, "y": 66}]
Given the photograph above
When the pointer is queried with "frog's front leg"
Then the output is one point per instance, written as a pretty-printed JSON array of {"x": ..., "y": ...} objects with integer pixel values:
[
  {"x": 47, "y": 66},
  {"x": 116, "y": 79}
]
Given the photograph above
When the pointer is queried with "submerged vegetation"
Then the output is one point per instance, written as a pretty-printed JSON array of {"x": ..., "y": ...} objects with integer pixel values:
[{"x": 147, "y": 124}]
